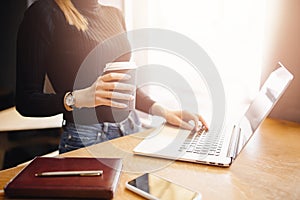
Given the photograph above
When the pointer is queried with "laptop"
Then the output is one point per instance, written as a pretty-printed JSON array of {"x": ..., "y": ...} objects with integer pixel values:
[{"x": 221, "y": 150}]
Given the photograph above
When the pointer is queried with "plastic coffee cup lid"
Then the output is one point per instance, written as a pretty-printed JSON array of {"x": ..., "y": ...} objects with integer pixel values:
[{"x": 119, "y": 66}]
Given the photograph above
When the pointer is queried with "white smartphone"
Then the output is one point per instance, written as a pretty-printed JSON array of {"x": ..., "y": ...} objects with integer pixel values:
[{"x": 153, "y": 187}]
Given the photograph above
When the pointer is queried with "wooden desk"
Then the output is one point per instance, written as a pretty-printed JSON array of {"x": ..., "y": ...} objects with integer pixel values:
[
  {"x": 268, "y": 168},
  {"x": 11, "y": 120}
]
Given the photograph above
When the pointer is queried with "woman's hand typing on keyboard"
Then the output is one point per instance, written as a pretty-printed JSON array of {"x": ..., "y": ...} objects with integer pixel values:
[{"x": 180, "y": 118}]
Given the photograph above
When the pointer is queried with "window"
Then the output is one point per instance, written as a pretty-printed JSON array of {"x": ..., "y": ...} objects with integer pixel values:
[{"x": 231, "y": 32}]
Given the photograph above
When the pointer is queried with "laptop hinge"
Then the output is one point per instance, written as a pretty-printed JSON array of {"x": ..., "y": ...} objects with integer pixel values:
[{"x": 234, "y": 142}]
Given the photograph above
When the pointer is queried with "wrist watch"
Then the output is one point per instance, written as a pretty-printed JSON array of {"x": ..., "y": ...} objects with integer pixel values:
[{"x": 70, "y": 101}]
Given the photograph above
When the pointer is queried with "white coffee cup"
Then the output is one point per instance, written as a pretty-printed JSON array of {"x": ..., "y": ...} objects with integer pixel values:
[{"x": 127, "y": 68}]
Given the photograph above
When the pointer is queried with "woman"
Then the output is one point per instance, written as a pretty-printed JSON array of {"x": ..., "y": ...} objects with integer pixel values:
[{"x": 54, "y": 38}]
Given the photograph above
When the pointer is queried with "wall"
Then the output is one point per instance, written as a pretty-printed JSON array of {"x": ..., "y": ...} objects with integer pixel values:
[
  {"x": 283, "y": 36},
  {"x": 11, "y": 13}
]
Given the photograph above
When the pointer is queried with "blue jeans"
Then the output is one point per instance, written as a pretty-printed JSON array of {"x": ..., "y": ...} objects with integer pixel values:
[{"x": 76, "y": 136}]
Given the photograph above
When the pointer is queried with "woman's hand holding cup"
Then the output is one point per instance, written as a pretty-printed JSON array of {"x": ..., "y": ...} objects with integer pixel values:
[{"x": 107, "y": 90}]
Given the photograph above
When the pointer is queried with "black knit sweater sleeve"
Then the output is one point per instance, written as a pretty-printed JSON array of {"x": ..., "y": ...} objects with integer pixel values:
[
  {"x": 33, "y": 40},
  {"x": 143, "y": 101}
]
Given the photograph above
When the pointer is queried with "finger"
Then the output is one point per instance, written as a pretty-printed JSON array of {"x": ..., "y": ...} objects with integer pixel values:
[
  {"x": 204, "y": 124},
  {"x": 115, "y": 77},
  {"x": 118, "y": 105},
  {"x": 114, "y": 95},
  {"x": 116, "y": 86},
  {"x": 110, "y": 103},
  {"x": 187, "y": 116},
  {"x": 174, "y": 120},
  {"x": 186, "y": 125}
]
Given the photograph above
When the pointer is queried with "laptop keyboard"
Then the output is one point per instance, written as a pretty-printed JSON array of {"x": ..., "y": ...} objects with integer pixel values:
[{"x": 200, "y": 143}]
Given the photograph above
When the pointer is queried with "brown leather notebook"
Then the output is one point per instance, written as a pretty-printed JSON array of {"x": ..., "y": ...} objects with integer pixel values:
[{"x": 28, "y": 184}]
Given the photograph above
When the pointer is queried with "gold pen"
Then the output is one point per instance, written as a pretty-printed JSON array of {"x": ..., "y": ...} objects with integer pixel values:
[{"x": 71, "y": 173}]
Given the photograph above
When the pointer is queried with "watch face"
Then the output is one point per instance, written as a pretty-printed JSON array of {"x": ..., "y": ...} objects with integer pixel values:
[{"x": 70, "y": 100}]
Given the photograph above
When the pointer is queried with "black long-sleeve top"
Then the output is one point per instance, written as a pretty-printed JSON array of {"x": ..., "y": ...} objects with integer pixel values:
[{"x": 47, "y": 44}]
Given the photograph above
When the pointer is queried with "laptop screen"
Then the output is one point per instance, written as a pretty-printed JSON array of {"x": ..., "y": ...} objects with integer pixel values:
[{"x": 263, "y": 103}]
